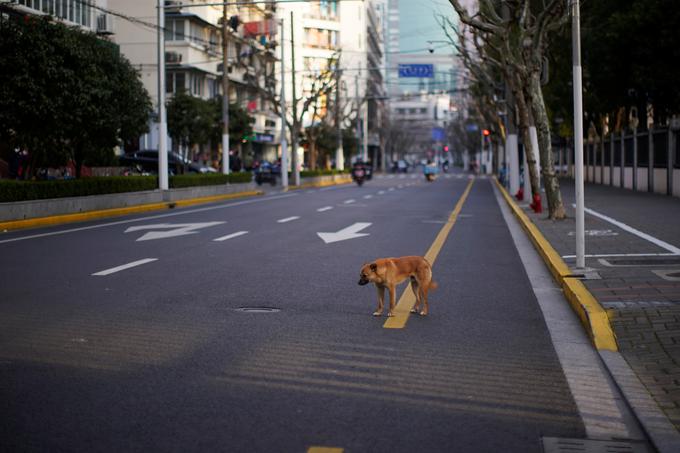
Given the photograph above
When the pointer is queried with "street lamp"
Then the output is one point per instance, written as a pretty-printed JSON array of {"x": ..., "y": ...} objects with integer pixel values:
[{"x": 578, "y": 134}]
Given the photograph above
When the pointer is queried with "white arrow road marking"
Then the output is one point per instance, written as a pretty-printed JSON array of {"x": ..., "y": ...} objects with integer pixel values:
[
  {"x": 368, "y": 197},
  {"x": 229, "y": 236},
  {"x": 288, "y": 219},
  {"x": 325, "y": 208},
  {"x": 351, "y": 232},
  {"x": 349, "y": 201},
  {"x": 125, "y": 266},
  {"x": 177, "y": 229}
]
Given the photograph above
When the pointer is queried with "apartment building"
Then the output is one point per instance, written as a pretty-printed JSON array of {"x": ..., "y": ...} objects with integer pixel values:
[
  {"x": 193, "y": 56},
  {"x": 89, "y": 15}
]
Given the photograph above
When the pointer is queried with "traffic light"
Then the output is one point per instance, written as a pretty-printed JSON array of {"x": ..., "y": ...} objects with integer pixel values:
[
  {"x": 486, "y": 132},
  {"x": 234, "y": 22},
  {"x": 446, "y": 148}
]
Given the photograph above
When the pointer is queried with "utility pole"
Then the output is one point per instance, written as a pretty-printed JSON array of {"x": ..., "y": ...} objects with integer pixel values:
[
  {"x": 225, "y": 91},
  {"x": 162, "y": 124},
  {"x": 578, "y": 135},
  {"x": 356, "y": 97},
  {"x": 284, "y": 143},
  {"x": 294, "y": 134},
  {"x": 339, "y": 153}
]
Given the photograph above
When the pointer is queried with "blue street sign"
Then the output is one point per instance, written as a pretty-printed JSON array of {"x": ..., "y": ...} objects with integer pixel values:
[
  {"x": 438, "y": 134},
  {"x": 416, "y": 70},
  {"x": 471, "y": 127}
]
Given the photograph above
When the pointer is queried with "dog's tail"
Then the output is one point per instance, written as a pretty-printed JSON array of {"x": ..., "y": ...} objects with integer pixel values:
[{"x": 433, "y": 285}]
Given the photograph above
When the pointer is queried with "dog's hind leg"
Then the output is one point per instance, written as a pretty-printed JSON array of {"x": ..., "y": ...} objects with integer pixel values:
[
  {"x": 381, "y": 300},
  {"x": 423, "y": 297},
  {"x": 416, "y": 290}
]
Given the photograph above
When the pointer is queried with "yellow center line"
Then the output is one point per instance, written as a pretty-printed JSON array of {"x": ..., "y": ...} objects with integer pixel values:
[
  {"x": 325, "y": 450},
  {"x": 408, "y": 299}
]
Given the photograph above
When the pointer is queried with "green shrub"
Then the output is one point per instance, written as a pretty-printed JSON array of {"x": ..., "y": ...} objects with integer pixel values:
[
  {"x": 11, "y": 190},
  {"x": 208, "y": 179},
  {"x": 313, "y": 173}
]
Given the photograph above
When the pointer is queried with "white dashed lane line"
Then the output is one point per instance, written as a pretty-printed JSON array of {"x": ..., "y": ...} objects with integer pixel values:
[
  {"x": 288, "y": 219},
  {"x": 325, "y": 208},
  {"x": 368, "y": 197},
  {"x": 230, "y": 236},
  {"x": 349, "y": 201},
  {"x": 122, "y": 267}
]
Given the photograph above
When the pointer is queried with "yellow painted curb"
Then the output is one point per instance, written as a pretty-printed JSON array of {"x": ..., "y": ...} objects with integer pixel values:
[
  {"x": 308, "y": 185},
  {"x": 592, "y": 315},
  {"x": 103, "y": 213}
]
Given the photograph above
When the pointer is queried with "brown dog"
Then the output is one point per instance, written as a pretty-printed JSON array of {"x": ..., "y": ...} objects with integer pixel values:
[{"x": 389, "y": 272}]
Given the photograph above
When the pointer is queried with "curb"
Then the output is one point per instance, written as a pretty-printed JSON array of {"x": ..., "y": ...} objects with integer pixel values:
[
  {"x": 592, "y": 315},
  {"x": 115, "y": 212}
]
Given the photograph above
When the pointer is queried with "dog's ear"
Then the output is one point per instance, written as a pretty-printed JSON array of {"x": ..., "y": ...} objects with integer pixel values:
[{"x": 374, "y": 267}]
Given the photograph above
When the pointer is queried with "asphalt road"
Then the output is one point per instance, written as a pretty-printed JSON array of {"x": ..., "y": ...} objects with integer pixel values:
[{"x": 158, "y": 357}]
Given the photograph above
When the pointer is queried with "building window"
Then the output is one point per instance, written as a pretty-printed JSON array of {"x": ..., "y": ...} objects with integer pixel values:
[
  {"x": 175, "y": 81},
  {"x": 196, "y": 84},
  {"x": 174, "y": 30}
]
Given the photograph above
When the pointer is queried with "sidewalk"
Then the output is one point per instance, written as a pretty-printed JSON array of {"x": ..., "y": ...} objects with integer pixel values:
[{"x": 633, "y": 254}]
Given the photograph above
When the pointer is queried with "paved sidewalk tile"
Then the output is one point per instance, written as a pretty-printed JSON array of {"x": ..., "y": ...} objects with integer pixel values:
[{"x": 643, "y": 306}]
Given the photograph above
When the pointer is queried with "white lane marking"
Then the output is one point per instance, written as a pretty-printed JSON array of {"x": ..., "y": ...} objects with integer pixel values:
[
  {"x": 381, "y": 192},
  {"x": 349, "y": 201},
  {"x": 400, "y": 186},
  {"x": 638, "y": 233},
  {"x": 325, "y": 208},
  {"x": 390, "y": 177},
  {"x": 350, "y": 232},
  {"x": 368, "y": 197},
  {"x": 142, "y": 219},
  {"x": 402, "y": 176},
  {"x": 230, "y": 236},
  {"x": 288, "y": 219},
  {"x": 125, "y": 266},
  {"x": 176, "y": 229},
  {"x": 390, "y": 189},
  {"x": 616, "y": 255}
]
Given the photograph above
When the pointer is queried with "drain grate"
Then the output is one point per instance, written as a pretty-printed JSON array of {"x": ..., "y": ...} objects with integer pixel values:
[
  {"x": 258, "y": 309},
  {"x": 564, "y": 445}
]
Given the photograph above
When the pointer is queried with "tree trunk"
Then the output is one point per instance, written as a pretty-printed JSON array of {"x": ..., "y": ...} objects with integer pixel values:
[
  {"x": 524, "y": 123},
  {"x": 312, "y": 153},
  {"x": 552, "y": 184}
]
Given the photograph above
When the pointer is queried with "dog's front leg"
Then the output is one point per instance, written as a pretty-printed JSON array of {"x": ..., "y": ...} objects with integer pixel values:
[
  {"x": 381, "y": 300},
  {"x": 393, "y": 296}
]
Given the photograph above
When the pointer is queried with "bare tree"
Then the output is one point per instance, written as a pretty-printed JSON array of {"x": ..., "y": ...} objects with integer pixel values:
[{"x": 519, "y": 38}]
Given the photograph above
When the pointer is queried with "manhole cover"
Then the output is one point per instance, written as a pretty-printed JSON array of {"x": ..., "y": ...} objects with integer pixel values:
[
  {"x": 562, "y": 445},
  {"x": 258, "y": 309}
]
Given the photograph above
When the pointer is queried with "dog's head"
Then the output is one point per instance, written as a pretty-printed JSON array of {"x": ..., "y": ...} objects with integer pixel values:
[{"x": 368, "y": 273}]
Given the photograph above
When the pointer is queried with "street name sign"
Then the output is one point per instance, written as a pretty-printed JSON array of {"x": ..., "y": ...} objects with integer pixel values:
[{"x": 416, "y": 70}]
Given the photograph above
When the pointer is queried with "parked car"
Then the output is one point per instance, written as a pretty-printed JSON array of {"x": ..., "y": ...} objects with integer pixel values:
[
  {"x": 147, "y": 161},
  {"x": 400, "y": 166}
]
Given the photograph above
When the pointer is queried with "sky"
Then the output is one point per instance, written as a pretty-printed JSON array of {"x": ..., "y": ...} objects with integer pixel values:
[{"x": 417, "y": 24}]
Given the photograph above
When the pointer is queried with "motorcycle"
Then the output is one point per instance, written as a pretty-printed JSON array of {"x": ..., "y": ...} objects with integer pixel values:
[
  {"x": 359, "y": 175},
  {"x": 430, "y": 171}
]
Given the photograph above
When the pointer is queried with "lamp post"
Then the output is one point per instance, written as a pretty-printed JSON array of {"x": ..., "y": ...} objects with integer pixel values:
[
  {"x": 284, "y": 143},
  {"x": 578, "y": 134},
  {"x": 162, "y": 124}
]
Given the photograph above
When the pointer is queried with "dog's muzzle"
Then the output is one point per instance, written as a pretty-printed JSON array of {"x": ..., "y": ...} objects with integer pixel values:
[{"x": 363, "y": 281}]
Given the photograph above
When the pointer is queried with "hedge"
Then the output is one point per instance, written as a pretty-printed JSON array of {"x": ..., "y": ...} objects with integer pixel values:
[
  {"x": 209, "y": 179},
  {"x": 312, "y": 173},
  {"x": 11, "y": 190}
]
